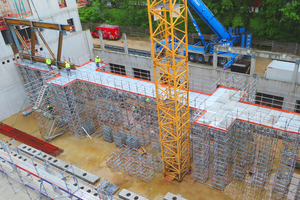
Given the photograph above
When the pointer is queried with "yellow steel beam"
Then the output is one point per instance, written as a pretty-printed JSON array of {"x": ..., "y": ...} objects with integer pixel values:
[{"x": 171, "y": 82}]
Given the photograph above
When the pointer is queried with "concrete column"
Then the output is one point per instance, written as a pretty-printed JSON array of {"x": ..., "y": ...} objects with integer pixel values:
[
  {"x": 101, "y": 40},
  {"x": 252, "y": 67},
  {"x": 295, "y": 73},
  {"x": 215, "y": 58},
  {"x": 125, "y": 43}
]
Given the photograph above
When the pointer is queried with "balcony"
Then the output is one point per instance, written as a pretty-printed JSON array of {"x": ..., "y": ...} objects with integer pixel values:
[
  {"x": 81, "y": 3},
  {"x": 62, "y": 4}
]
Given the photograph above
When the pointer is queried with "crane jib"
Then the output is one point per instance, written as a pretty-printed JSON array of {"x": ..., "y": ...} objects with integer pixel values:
[{"x": 209, "y": 18}]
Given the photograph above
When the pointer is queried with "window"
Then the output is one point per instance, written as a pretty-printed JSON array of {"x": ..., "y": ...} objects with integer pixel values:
[
  {"x": 297, "y": 106},
  {"x": 62, "y": 3},
  {"x": 117, "y": 69},
  {"x": 142, "y": 74},
  {"x": 7, "y": 37},
  {"x": 269, "y": 100},
  {"x": 71, "y": 23}
]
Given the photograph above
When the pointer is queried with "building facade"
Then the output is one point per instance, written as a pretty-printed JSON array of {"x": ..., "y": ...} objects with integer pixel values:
[{"x": 77, "y": 44}]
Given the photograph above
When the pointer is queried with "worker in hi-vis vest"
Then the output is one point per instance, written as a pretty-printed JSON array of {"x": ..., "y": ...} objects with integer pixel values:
[
  {"x": 68, "y": 68},
  {"x": 97, "y": 61},
  {"x": 48, "y": 62}
]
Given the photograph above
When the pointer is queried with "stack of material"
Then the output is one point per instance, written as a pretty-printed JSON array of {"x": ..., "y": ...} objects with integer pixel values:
[
  {"x": 89, "y": 127},
  {"x": 146, "y": 173},
  {"x": 112, "y": 189},
  {"x": 133, "y": 163},
  {"x": 103, "y": 184},
  {"x": 133, "y": 142},
  {"x": 155, "y": 140},
  {"x": 120, "y": 139},
  {"x": 108, "y": 135},
  {"x": 158, "y": 165}
]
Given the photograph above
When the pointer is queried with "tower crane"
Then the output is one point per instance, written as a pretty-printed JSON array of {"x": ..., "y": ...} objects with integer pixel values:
[{"x": 171, "y": 83}]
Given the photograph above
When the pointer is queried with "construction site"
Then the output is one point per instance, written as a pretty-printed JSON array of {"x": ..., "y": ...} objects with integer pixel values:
[{"x": 77, "y": 129}]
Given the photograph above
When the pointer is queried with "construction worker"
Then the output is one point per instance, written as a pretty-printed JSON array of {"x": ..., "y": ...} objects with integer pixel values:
[
  {"x": 50, "y": 108},
  {"x": 48, "y": 62},
  {"x": 68, "y": 68},
  {"x": 97, "y": 61},
  {"x": 133, "y": 108},
  {"x": 147, "y": 100}
]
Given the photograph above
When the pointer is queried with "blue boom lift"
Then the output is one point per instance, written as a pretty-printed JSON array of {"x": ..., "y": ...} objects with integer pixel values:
[{"x": 203, "y": 50}]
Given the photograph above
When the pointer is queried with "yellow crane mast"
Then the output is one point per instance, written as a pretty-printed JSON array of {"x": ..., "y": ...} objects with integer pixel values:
[{"x": 168, "y": 32}]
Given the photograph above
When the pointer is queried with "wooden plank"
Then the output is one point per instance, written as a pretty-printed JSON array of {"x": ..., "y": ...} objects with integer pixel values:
[
  {"x": 60, "y": 41},
  {"x": 44, "y": 41},
  {"x": 32, "y": 42}
]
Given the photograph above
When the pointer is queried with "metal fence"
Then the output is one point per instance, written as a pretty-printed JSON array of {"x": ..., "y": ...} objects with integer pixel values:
[
  {"x": 276, "y": 46},
  {"x": 268, "y": 45}
]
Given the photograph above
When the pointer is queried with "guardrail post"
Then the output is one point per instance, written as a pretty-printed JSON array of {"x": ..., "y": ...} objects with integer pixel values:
[
  {"x": 215, "y": 58},
  {"x": 252, "y": 66},
  {"x": 101, "y": 40},
  {"x": 125, "y": 43},
  {"x": 295, "y": 73}
]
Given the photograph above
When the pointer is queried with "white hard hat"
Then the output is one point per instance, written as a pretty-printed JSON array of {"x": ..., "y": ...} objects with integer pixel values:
[{"x": 97, "y": 56}]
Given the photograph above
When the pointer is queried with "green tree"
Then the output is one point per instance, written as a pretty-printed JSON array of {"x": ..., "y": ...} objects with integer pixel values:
[
  {"x": 278, "y": 20},
  {"x": 93, "y": 12}
]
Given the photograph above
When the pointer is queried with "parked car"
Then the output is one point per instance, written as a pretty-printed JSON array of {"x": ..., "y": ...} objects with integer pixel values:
[{"x": 108, "y": 32}]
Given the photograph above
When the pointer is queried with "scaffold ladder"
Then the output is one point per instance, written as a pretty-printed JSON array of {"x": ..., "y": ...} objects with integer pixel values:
[{"x": 40, "y": 97}]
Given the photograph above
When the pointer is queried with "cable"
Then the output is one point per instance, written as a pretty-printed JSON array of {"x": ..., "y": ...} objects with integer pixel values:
[{"x": 36, "y": 11}]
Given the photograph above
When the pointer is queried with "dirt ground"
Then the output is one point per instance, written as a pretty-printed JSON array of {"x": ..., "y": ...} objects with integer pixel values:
[
  {"x": 90, "y": 155},
  {"x": 144, "y": 44},
  {"x": 132, "y": 42}
]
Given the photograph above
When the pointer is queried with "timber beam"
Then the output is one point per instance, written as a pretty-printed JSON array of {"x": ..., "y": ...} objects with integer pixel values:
[{"x": 37, "y": 24}]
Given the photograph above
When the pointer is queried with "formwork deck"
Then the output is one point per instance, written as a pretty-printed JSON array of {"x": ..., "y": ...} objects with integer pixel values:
[
  {"x": 221, "y": 108},
  {"x": 225, "y": 106}
]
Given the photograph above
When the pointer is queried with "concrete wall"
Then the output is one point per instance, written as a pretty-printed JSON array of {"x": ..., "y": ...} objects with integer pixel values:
[
  {"x": 76, "y": 45},
  {"x": 203, "y": 75},
  {"x": 129, "y": 61}
]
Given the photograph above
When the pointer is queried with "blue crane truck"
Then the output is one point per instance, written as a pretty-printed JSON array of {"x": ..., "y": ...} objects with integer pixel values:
[{"x": 203, "y": 50}]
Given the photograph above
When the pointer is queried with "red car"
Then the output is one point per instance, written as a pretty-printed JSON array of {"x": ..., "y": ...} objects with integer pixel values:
[{"x": 108, "y": 32}]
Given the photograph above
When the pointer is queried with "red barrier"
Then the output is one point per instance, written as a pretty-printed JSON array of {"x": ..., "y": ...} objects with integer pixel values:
[{"x": 29, "y": 140}]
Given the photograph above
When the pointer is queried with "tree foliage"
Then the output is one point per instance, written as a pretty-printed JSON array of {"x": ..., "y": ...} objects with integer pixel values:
[{"x": 276, "y": 19}]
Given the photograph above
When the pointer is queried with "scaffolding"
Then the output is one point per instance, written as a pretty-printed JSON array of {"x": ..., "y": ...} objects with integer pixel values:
[
  {"x": 131, "y": 162},
  {"x": 232, "y": 138}
]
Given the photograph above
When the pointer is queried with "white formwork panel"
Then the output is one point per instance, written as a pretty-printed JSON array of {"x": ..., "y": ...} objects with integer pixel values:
[
  {"x": 206, "y": 118},
  {"x": 216, "y": 107},
  {"x": 219, "y": 92},
  {"x": 294, "y": 126},
  {"x": 230, "y": 105},
  {"x": 287, "y": 115},
  {"x": 249, "y": 112},
  {"x": 282, "y": 123}
]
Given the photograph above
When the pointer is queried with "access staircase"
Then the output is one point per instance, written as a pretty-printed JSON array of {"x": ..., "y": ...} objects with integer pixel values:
[{"x": 40, "y": 97}]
